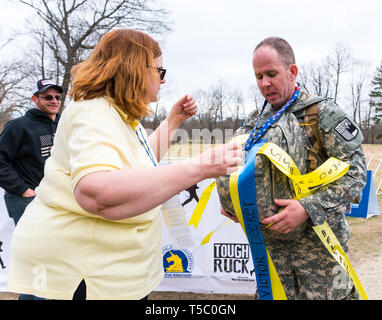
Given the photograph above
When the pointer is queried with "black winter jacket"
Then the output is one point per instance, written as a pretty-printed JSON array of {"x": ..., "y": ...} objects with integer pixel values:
[{"x": 25, "y": 144}]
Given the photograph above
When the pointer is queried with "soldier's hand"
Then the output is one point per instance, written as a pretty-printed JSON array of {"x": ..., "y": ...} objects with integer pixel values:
[
  {"x": 289, "y": 218},
  {"x": 228, "y": 215}
]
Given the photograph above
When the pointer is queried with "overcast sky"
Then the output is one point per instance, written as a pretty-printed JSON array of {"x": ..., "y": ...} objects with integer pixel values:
[{"x": 213, "y": 40}]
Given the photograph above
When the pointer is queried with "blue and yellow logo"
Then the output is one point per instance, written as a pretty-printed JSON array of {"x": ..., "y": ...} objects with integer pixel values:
[{"x": 177, "y": 262}]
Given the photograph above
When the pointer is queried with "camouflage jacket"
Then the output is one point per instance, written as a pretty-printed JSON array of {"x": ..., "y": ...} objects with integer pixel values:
[{"x": 341, "y": 139}]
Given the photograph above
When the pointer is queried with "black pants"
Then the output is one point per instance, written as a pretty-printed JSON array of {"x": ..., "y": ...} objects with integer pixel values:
[{"x": 80, "y": 293}]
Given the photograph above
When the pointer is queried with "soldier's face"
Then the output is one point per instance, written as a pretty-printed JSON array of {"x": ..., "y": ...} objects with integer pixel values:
[{"x": 275, "y": 80}]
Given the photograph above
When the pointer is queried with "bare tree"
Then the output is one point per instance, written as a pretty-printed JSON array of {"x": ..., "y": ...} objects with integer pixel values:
[
  {"x": 211, "y": 103},
  {"x": 237, "y": 108},
  {"x": 219, "y": 99},
  {"x": 255, "y": 98},
  {"x": 359, "y": 75},
  {"x": 303, "y": 76},
  {"x": 12, "y": 90},
  {"x": 207, "y": 113},
  {"x": 158, "y": 114},
  {"x": 323, "y": 78},
  {"x": 71, "y": 28},
  {"x": 316, "y": 78},
  {"x": 339, "y": 60}
]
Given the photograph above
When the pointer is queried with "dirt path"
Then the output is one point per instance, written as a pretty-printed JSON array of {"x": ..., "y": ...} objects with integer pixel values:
[
  {"x": 369, "y": 272},
  {"x": 366, "y": 253}
]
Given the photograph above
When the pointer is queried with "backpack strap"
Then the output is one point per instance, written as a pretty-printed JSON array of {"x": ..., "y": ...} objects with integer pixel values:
[{"x": 311, "y": 129}]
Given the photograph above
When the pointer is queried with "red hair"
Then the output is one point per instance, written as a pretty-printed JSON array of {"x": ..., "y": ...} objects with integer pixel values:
[{"x": 118, "y": 70}]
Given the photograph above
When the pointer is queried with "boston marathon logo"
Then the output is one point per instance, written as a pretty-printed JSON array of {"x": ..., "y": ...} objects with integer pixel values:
[
  {"x": 232, "y": 258},
  {"x": 177, "y": 262}
]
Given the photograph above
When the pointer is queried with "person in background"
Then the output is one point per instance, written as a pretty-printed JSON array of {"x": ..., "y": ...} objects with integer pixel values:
[
  {"x": 94, "y": 230},
  {"x": 25, "y": 144}
]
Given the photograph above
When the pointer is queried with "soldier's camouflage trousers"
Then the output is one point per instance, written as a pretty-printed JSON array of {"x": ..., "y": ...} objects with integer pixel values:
[{"x": 308, "y": 271}]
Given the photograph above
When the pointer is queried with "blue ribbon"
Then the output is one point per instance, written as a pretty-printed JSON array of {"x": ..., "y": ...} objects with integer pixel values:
[{"x": 248, "y": 204}]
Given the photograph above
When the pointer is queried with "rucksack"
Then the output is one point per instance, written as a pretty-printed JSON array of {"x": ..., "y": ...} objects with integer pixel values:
[{"x": 311, "y": 129}]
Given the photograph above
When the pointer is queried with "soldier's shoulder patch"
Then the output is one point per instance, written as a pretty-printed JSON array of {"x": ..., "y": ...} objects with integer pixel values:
[{"x": 346, "y": 129}]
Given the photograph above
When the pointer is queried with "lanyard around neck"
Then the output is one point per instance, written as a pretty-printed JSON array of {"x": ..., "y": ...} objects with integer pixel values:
[
  {"x": 145, "y": 146},
  {"x": 252, "y": 139}
]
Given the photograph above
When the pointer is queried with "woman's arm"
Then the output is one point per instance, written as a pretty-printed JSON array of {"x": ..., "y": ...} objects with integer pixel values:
[
  {"x": 161, "y": 138},
  {"x": 123, "y": 194}
]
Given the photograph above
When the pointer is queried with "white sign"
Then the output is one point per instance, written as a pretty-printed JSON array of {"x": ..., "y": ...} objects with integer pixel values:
[
  {"x": 223, "y": 265},
  {"x": 6, "y": 229}
]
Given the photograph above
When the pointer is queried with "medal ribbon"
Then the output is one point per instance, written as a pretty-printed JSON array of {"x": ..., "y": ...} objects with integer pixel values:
[{"x": 253, "y": 138}]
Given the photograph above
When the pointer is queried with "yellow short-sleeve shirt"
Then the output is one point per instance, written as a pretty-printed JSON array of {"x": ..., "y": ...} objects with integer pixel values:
[{"x": 56, "y": 243}]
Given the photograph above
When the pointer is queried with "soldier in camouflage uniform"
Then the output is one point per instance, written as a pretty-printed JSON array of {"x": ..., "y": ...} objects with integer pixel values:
[{"x": 305, "y": 267}]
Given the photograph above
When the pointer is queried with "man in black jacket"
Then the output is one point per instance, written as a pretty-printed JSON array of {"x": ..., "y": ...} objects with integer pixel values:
[{"x": 25, "y": 144}]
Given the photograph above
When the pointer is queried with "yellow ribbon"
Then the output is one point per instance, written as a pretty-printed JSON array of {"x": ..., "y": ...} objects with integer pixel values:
[
  {"x": 199, "y": 209},
  {"x": 304, "y": 185},
  {"x": 331, "y": 243},
  {"x": 207, "y": 238}
]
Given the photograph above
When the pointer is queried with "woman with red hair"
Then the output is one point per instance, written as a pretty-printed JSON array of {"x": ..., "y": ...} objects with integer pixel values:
[{"x": 94, "y": 227}]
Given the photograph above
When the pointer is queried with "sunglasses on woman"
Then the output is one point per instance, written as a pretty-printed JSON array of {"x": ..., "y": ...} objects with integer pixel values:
[{"x": 161, "y": 71}]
